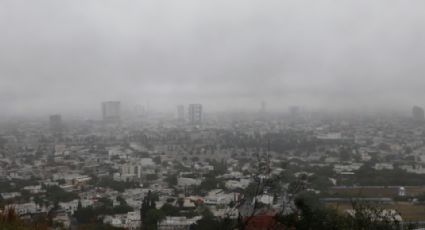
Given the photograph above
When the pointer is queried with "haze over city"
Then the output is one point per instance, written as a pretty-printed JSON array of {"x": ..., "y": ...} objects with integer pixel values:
[
  {"x": 212, "y": 115},
  {"x": 68, "y": 56}
]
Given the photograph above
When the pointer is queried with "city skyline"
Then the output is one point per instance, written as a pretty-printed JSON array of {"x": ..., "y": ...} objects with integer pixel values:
[
  {"x": 318, "y": 55},
  {"x": 212, "y": 114}
]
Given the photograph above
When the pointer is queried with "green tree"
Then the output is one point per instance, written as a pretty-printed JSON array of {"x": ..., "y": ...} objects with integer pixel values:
[
  {"x": 170, "y": 210},
  {"x": 171, "y": 180},
  {"x": 310, "y": 214},
  {"x": 153, "y": 217},
  {"x": 148, "y": 204}
]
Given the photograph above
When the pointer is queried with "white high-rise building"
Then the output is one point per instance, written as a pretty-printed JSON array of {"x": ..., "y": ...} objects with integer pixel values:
[{"x": 195, "y": 114}]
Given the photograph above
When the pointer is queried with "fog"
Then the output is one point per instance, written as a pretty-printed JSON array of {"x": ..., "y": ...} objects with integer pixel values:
[{"x": 68, "y": 56}]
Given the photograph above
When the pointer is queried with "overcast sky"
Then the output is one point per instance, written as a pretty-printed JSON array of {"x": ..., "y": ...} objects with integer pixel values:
[{"x": 68, "y": 56}]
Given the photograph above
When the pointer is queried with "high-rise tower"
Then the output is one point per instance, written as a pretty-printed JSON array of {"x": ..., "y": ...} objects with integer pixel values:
[{"x": 195, "y": 114}]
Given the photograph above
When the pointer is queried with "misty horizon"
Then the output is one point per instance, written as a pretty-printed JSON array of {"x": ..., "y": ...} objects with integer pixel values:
[
  {"x": 68, "y": 57},
  {"x": 212, "y": 114}
]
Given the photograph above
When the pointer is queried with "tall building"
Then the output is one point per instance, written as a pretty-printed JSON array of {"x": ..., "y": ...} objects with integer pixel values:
[
  {"x": 111, "y": 110},
  {"x": 180, "y": 113},
  {"x": 195, "y": 114},
  {"x": 55, "y": 123},
  {"x": 418, "y": 114}
]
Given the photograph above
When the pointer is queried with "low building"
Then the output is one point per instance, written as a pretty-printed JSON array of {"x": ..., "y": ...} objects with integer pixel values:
[{"x": 177, "y": 223}]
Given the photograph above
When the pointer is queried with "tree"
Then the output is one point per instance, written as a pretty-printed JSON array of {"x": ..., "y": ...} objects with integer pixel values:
[
  {"x": 211, "y": 182},
  {"x": 208, "y": 221},
  {"x": 170, "y": 210},
  {"x": 10, "y": 220},
  {"x": 157, "y": 160},
  {"x": 119, "y": 186},
  {"x": 85, "y": 215},
  {"x": 148, "y": 204},
  {"x": 151, "y": 177},
  {"x": 57, "y": 194},
  {"x": 153, "y": 217},
  {"x": 171, "y": 180},
  {"x": 310, "y": 214}
]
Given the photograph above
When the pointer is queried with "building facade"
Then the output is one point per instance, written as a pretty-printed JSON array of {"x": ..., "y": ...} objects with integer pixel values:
[
  {"x": 195, "y": 114},
  {"x": 418, "y": 114}
]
